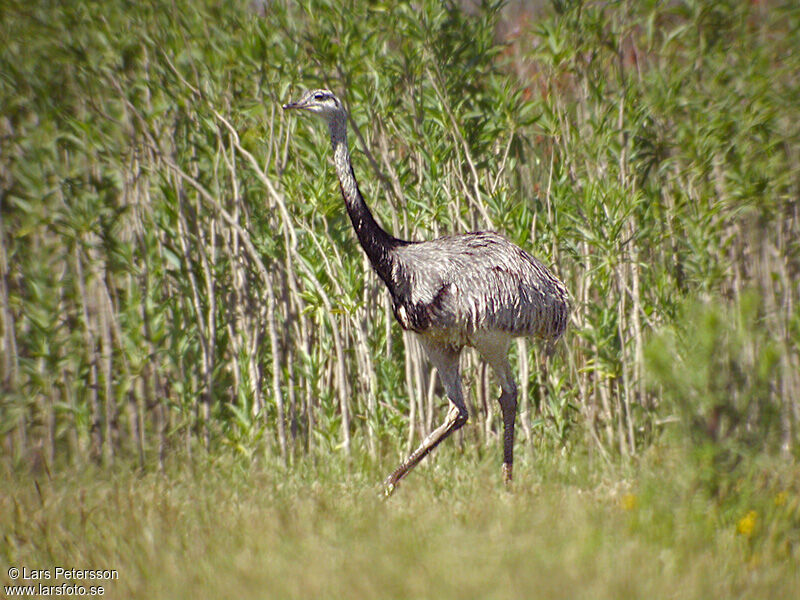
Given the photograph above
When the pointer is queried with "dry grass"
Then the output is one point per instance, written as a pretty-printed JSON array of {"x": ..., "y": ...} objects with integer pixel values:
[{"x": 226, "y": 530}]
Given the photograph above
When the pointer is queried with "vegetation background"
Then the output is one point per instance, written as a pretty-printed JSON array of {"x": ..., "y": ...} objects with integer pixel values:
[{"x": 201, "y": 379}]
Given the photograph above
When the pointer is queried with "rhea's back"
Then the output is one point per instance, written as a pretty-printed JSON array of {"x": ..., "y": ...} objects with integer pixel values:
[{"x": 460, "y": 285}]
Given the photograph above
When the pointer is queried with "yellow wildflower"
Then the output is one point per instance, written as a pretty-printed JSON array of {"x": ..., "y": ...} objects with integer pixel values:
[
  {"x": 747, "y": 523},
  {"x": 629, "y": 502}
]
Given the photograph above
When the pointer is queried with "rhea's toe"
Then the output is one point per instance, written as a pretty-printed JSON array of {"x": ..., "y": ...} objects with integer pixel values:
[{"x": 508, "y": 473}]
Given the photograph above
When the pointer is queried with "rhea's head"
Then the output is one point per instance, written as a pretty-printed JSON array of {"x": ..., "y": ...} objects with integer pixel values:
[{"x": 319, "y": 102}]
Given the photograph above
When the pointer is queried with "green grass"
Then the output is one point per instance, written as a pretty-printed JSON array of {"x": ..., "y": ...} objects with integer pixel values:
[{"x": 225, "y": 529}]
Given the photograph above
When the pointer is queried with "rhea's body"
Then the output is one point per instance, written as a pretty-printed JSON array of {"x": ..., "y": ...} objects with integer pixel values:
[
  {"x": 439, "y": 289},
  {"x": 474, "y": 289}
]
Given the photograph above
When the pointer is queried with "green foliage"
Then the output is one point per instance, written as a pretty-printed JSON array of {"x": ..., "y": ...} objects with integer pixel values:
[
  {"x": 718, "y": 373},
  {"x": 178, "y": 272}
]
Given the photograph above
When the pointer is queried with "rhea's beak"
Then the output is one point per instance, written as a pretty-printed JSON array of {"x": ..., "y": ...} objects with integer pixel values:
[{"x": 292, "y": 105}]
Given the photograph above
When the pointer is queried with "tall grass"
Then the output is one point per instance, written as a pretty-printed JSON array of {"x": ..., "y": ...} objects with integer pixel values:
[
  {"x": 177, "y": 271},
  {"x": 231, "y": 529}
]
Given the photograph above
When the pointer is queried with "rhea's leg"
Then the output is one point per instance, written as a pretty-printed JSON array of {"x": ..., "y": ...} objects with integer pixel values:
[
  {"x": 508, "y": 404},
  {"x": 456, "y": 417},
  {"x": 494, "y": 350},
  {"x": 446, "y": 362}
]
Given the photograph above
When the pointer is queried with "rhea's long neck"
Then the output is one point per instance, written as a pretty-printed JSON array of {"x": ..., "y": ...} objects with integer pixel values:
[{"x": 376, "y": 242}]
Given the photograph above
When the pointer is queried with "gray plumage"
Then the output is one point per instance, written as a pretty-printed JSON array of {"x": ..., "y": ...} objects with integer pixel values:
[
  {"x": 473, "y": 289},
  {"x": 460, "y": 285}
]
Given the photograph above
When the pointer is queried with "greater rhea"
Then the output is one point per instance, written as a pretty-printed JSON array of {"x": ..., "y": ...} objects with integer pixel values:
[{"x": 473, "y": 289}]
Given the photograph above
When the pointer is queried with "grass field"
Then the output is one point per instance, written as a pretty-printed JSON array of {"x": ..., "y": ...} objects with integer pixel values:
[{"x": 227, "y": 529}]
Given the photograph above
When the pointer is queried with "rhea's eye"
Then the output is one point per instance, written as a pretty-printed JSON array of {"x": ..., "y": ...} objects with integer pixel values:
[{"x": 319, "y": 96}]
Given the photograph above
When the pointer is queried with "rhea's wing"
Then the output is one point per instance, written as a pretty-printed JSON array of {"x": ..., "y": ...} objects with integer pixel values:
[{"x": 478, "y": 281}]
